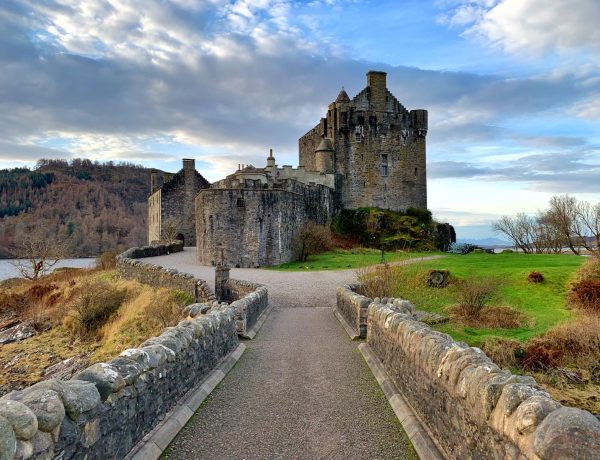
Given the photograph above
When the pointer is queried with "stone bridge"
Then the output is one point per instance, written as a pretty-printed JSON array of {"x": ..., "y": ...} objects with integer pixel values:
[{"x": 300, "y": 389}]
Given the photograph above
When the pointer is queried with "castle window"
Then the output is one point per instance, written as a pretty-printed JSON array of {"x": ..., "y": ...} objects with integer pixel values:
[
  {"x": 416, "y": 172},
  {"x": 358, "y": 133},
  {"x": 384, "y": 165},
  {"x": 240, "y": 203}
]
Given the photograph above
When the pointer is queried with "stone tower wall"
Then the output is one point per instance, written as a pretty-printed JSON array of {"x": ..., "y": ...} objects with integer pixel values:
[
  {"x": 380, "y": 149},
  {"x": 175, "y": 202},
  {"x": 256, "y": 227}
]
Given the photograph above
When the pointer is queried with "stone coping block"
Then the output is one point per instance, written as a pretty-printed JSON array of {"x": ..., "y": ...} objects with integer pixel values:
[{"x": 473, "y": 408}]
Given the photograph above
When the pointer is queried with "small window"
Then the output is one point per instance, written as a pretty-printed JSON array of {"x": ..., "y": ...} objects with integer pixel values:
[
  {"x": 240, "y": 203},
  {"x": 416, "y": 172},
  {"x": 384, "y": 165}
]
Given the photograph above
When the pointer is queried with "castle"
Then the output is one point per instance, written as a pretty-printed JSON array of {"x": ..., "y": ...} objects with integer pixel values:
[{"x": 368, "y": 151}]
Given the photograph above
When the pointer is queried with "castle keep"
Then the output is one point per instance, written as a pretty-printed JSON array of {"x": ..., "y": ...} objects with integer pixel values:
[{"x": 368, "y": 151}]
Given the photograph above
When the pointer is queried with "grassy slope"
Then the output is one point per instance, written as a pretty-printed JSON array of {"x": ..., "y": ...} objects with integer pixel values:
[
  {"x": 544, "y": 303},
  {"x": 135, "y": 321},
  {"x": 341, "y": 259}
]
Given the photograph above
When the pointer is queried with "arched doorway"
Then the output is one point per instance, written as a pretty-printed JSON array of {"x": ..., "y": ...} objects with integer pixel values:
[{"x": 180, "y": 237}]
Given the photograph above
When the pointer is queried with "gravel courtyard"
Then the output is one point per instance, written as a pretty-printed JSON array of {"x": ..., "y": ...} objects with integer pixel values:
[{"x": 301, "y": 390}]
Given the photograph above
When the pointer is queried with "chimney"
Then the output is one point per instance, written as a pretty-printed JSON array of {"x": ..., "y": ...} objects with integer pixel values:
[
  {"x": 189, "y": 164},
  {"x": 376, "y": 81},
  {"x": 153, "y": 180}
]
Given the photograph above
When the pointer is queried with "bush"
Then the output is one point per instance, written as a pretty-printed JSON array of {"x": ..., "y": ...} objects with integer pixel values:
[
  {"x": 107, "y": 260},
  {"x": 535, "y": 277},
  {"x": 380, "y": 281},
  {"x": 475, "y": 293},
  {"x": 312, "y": 239},
  {"x": 478, "y": 251},
  {"x": 93, "y": 305},
  {"x": 506, "y": 353},
  {"x": 586, "y": 294},
  {"x": 507, "y": 251},
  {"x": 539, "y": 357}
]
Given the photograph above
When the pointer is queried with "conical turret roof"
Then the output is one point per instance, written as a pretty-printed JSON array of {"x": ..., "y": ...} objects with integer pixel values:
[
  {"x": 343, "y": 96},
  {"x": 325, "y": 145}
]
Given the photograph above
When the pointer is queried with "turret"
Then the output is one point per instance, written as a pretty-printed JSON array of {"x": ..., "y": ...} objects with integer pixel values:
[
  {"x": 376, "y": 81},
  {"x": 324, "y": 156},
  {"x": 153, "y": 180},
  {"x": 418, "y": 122}
]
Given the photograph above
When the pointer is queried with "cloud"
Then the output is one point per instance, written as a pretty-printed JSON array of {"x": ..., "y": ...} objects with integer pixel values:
[
  {"x": 102, "y": 80},
  {"x": 549, "y": 172},
  {"x": 530, "y": 27}
]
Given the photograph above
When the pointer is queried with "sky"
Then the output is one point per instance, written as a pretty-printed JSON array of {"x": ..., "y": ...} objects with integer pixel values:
[{"x": 512, "y": 87}]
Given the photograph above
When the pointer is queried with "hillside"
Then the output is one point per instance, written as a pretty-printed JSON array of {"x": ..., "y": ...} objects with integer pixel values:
[{"x": 97, "y": 206}]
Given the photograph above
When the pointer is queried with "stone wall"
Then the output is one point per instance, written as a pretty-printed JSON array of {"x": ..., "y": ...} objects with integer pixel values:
[
  {"x": 249, "y": 301},
  {"x": 130, "y": 267},
  {"x": 250, "y": 227},
  {"x": 354, "y": 308},
  {"x": 473, "y": 408},
  {"x": 173, "y": 204},
  {"x": 107, "y": 408}
]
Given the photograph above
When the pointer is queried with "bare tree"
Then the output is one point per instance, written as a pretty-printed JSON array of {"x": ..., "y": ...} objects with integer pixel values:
[
  {"x": 312, "y": 239},
  {"x": 38, "y": 252},
  {"x": 171, "y": 229},
  {"x": 547, "y": 237},
  {"x": 563, "y": 215},
  {"x": 520, "y": 230},
  {"x": 589, "y": 216}
]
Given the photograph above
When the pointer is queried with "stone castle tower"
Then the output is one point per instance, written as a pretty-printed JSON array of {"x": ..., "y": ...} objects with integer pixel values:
[
  {"x": 366, "y": 152},
  {"x": 375, "y": 145}
]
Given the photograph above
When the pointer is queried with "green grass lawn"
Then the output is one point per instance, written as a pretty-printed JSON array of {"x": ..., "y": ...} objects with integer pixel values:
[
  {"x": 347, "y": 258},
  {"x": 544, "y": 303}
]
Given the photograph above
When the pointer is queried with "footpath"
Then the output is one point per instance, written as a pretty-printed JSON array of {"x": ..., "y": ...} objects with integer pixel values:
[{"x": 301, "y": 390}]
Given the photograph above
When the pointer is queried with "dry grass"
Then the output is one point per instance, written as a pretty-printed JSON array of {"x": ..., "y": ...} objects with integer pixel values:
[
  {"x": 143, "y": 313},
  {"x": 380, "y": 280},
  {"x": 585, "y": 287},
  {"x": 473, "y": 294},
  {"x": 489, "y": 317}
]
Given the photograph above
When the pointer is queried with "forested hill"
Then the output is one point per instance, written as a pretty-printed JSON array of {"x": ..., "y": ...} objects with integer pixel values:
[{"x": 97, "y": 206}]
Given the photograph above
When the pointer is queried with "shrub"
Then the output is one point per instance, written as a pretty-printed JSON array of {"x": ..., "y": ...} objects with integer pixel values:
[
  {"x": 312, "y": 239},
  {"x": 539, "y": 357},
  {"x": 474, "y": 294},
  {"x": 505, "y": 353},
  {"x": 107, "y": 260},
  {"x": 573, "y": 343},
  {"x": 507, "y": 251},
  {"x": 489, "y": 317},
  {"x": 478, "y": 251},
  {"x": 93, "y": 305},
  {"x": 380, "y": 281},
  {"x": 586, "y": 294},
  {"x": 535, "y": 277}
]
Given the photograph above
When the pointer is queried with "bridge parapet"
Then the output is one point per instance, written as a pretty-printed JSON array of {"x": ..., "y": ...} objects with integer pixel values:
[{"x": 473, "y": 408}]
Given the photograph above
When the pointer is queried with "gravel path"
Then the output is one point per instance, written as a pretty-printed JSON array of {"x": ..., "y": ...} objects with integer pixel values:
[{"x": 301, "y": 390}]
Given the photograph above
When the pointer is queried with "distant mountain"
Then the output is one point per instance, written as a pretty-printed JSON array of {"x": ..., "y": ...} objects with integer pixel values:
[
  {"x": 98, "y": 206},
  {"x": 486, "y": 242}
]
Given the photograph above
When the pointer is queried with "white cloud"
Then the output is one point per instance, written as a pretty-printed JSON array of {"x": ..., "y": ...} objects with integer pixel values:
[{"x": 530, "y": 27}]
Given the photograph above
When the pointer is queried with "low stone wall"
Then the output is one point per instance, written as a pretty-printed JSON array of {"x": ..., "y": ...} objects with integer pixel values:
[
  {"x": 249, "y": 301},
  {"x": 473, "y": 408},
  {"x": 354, "y": 308},
  {"x": 130, "y": 267},
  {"x": 107, "y": 408}
]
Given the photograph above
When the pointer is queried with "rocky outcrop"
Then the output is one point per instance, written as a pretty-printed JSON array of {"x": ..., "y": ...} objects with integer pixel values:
[{"x": 473, "y": 408}]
